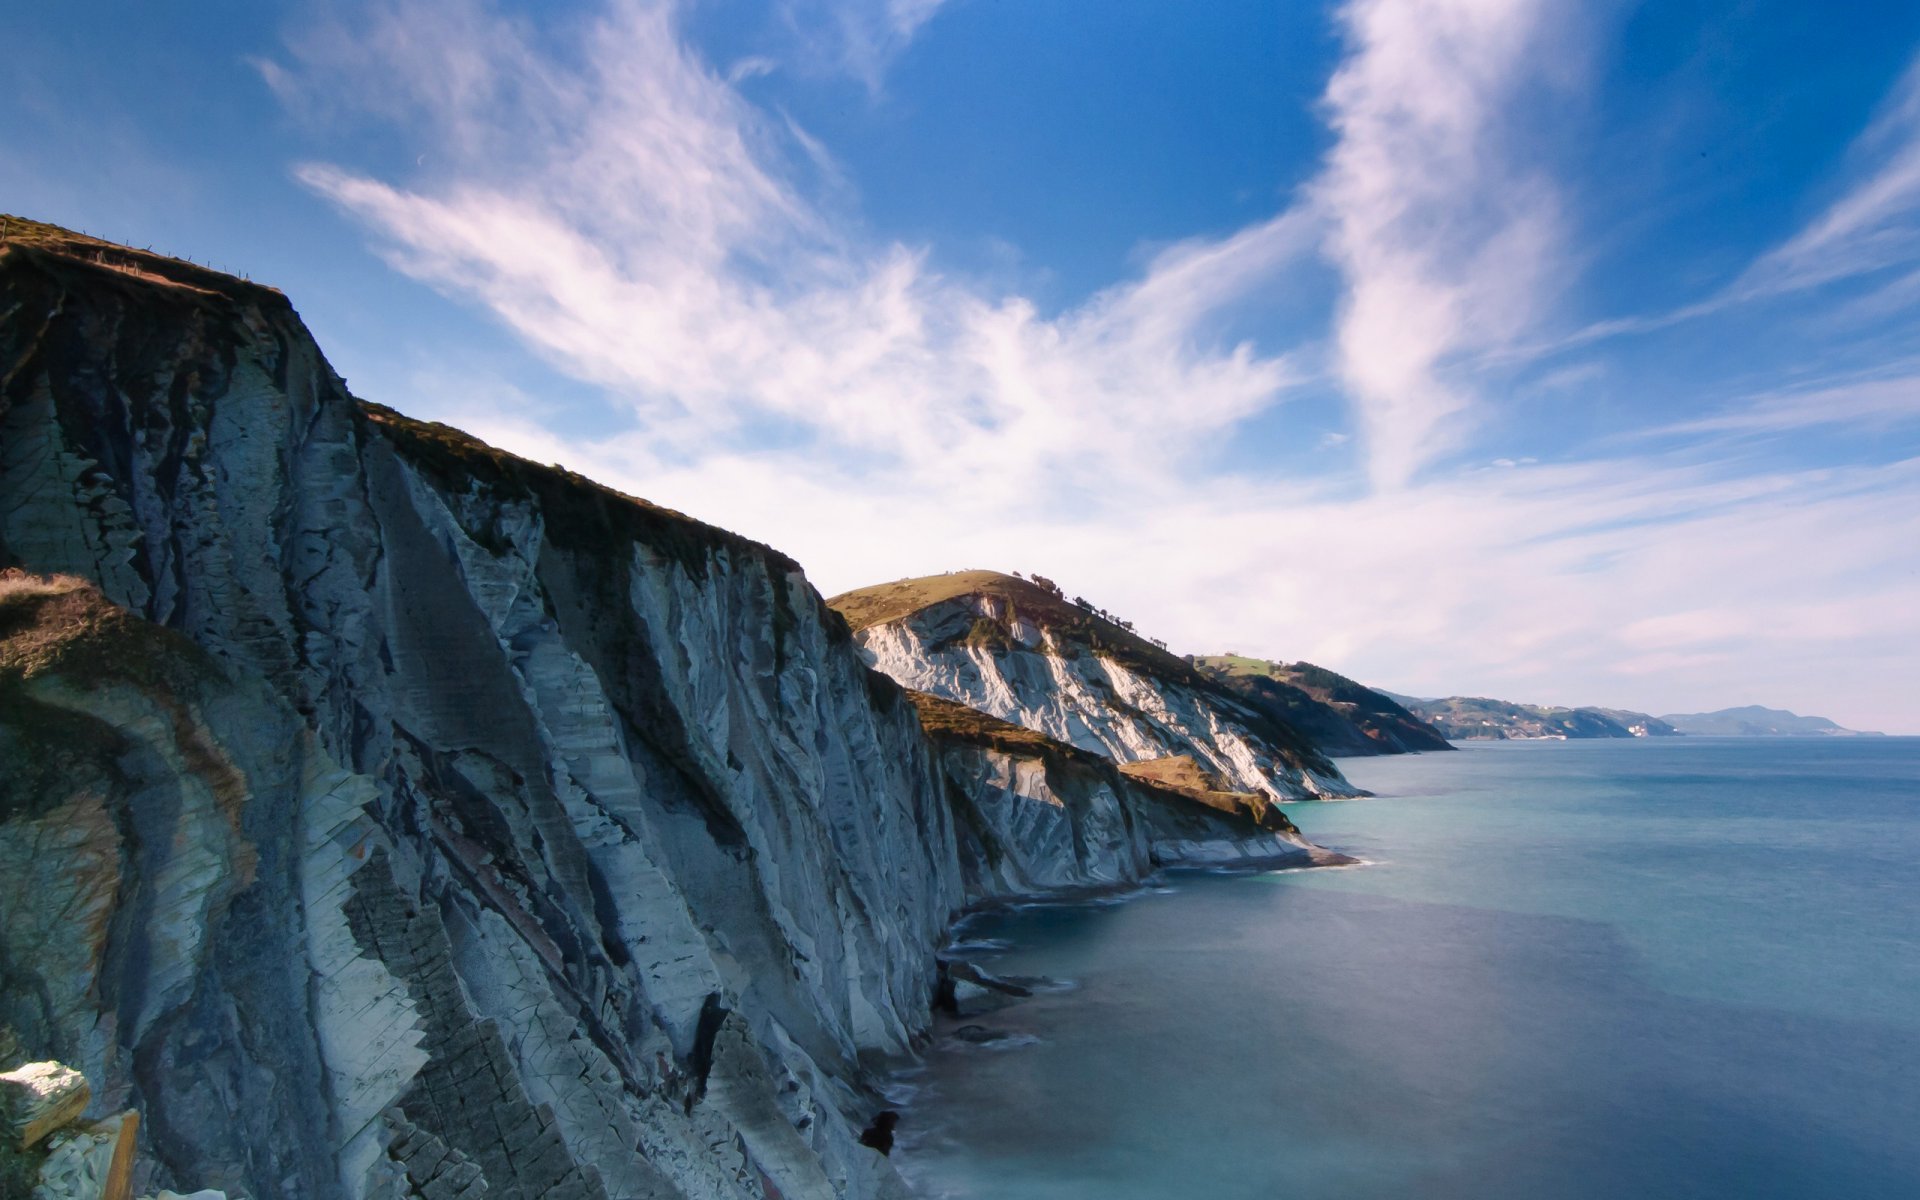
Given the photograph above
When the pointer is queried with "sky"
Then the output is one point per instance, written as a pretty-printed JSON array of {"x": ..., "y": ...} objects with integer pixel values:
[{"x": 1564, "y": 351}]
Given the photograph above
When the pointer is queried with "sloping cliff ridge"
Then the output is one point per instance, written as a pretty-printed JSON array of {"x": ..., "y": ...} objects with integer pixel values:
[
  {"x": 1340, "y": 715},
  {"x": 1012, "y": 648},
  {"x": 400, "y": 818}
]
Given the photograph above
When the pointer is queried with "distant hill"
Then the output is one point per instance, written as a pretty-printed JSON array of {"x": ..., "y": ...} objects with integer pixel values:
[
  {"x": 1755, "y": 721},
  {"x": 1478, "y": 717},
  {"x": 1338, "y": 714}
]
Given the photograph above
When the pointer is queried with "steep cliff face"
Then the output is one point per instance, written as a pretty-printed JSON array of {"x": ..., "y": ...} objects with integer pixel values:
[
  {"x": 1012, "y": 649},
  {"x": 1338, "y": 714},
  {"x": 561, "y": 842},
  {"x": 399, "y": 818}
]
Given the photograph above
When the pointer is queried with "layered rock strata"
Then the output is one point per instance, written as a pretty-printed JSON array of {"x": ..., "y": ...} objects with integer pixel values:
[
  {"x": 385, "y": 816},
  {"x": 1038, "y": 815},
  {"x": 1011, "y": 648}
]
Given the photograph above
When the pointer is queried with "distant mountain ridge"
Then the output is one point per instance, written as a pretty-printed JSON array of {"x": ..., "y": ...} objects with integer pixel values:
[
  {"x": 1752, "y": 720},
  {"x": 1481, "y": 718}
]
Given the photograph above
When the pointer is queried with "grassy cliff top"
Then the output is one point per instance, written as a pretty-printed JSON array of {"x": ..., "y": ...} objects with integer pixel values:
[
  {"x": 950, "y": 720},
  {"x": 1240, "y": 664},
  {"x": 1177, "y": 771},
  {"x": 885, "y": 602},
  {"x": 1182, "y": 776},
  {"x": 178, "y": 275},
  {"x": 579, "y": 512},
  {"x": 1316, "y": 681}
]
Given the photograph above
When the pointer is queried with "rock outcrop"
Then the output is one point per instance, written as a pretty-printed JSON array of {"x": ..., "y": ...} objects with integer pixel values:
[
  {"x": 385, "y": 816},
  {"x": 1016, "y": 650},
  {"x": 1037, "y": 815}
]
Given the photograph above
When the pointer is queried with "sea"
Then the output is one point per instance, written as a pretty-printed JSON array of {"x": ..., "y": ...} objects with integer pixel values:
[{"x": 1581, "y": 970}]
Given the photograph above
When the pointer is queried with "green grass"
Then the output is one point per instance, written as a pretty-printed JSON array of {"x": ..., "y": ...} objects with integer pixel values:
[
  {"x": 952, "y": 721},
  {"x": 126, "y": 262},
  {"x": 1240, "y": 664}
]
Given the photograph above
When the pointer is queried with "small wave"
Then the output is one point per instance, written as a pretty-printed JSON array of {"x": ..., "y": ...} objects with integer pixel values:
[
  {"x": 1319, "y": 869},
  {"x": 899, "y": 1094},
  {"x": 1007, "y": 1041},
  {"x": 960, "y": 949}
]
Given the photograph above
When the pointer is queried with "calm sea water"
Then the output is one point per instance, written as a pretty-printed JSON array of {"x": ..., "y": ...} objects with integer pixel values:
[{"x": 1685, "y": 968}]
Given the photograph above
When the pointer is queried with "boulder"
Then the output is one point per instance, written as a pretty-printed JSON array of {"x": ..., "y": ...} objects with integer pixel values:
[{"x": 41, "y": 1097}]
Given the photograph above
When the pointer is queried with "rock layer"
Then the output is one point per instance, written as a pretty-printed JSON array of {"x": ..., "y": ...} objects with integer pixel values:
[{"x": 1037, "y": 815}]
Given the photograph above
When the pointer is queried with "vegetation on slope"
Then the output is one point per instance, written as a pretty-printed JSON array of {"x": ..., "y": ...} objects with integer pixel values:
[
  {"x": 52, "y": 244},
  {"x": 950, "y": 720},
  {"x": 1181, "y": 775},
  {"x": 1176, "y": 780},
  {"x": 1337, "y": 712},
  {"x": 579, "y": 513},
  {"x": 62, "y": 626}
]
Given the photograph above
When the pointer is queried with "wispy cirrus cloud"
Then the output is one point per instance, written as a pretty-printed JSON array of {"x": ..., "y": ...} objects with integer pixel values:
[
  {"x": 1871, "y": 226},
  {"x": 1874, "y": 224},
  {"x": 859, "y": 38},
  {"x": 1871, "y": 403},
  {"x": 1448, "y": 242},
  {"x": 655, "y": 241}
]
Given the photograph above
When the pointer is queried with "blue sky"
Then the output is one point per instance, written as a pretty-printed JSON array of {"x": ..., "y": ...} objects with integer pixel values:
[{"x": 1561, "y": 352}]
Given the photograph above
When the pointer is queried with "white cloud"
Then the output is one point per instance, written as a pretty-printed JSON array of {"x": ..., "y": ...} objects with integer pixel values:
[
  {"x": 860, "y": 38},
  {"x": 617, "y": 204},
  {"x": 1861, "y": 403},
  {"x": 653, "y": 245}
]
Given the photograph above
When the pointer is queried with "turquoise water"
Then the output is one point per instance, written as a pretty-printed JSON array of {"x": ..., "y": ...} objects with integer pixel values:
[{"x": 1685, "y": 968}]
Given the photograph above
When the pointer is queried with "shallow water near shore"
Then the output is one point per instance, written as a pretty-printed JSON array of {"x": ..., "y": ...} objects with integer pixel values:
[{"x": 1669, "y": 968}]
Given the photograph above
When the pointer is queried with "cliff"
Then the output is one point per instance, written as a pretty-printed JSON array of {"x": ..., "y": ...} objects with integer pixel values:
[
  {"x": 1339, "y": 715},
  {"x": 1021, "y": 652},
  {"x": 385, "y": 816}
]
